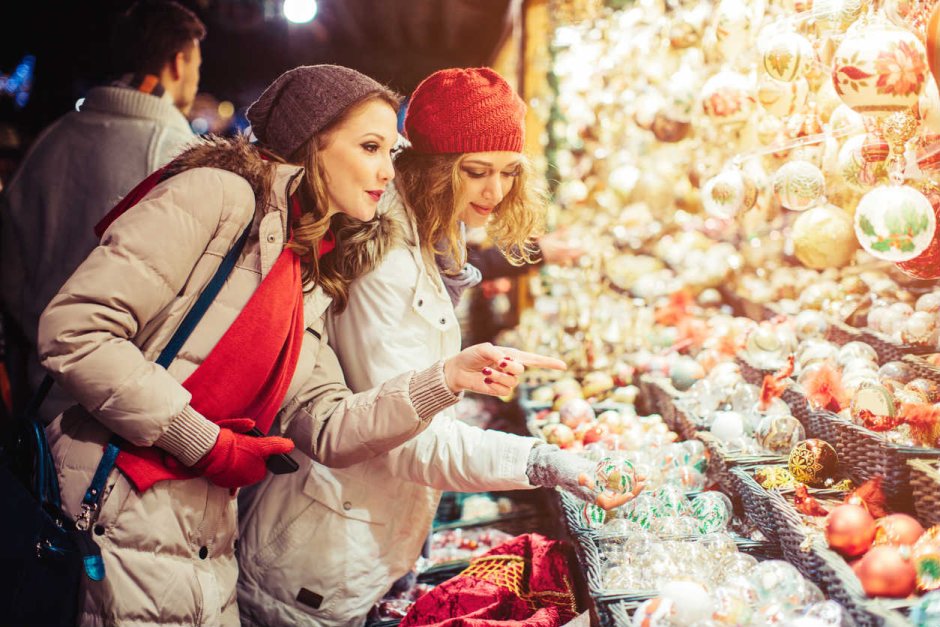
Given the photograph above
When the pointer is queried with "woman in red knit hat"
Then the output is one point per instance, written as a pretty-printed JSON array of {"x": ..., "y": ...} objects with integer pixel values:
[
  {"x": 363, "y": 527},
  {"x": 166, "y": 523}
]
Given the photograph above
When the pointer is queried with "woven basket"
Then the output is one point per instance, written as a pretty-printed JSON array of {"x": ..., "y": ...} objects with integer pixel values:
[
  {"x": 751, "y": 374},
  {"x": 589, "y": 557},
  {"x": 865, "y": 454},
  {"x": 890, "y": 351},
  {"x": 925, "y": 479},
  {"x": 923, "y": 368},
  {"x": 661, "y": 398},
  {"x": 841, "y": 333},
  {"x": 757, "y": 503},
  {"x": 615, "y": 610},
  {"x": 720, "y": 463}
]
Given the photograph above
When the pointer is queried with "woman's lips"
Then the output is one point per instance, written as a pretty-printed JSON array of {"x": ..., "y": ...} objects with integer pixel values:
[
  {"x": 375, "y": 194},
  {"x": 483, "y": 211}
]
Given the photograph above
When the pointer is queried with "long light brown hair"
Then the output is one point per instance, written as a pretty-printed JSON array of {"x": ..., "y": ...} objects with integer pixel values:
[
  {"x": 430, "y": 185},
  {"x": 359, "y": 244}
]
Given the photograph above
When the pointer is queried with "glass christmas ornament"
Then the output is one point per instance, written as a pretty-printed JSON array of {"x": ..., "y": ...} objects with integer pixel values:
[
  {"x": 727, "y": 98},
  {"x": 782, "y": 99},
  {"x": 614, "y": 475},
  {"x": 576, "y": 411},
  {"x": 799, "y": 185},
  {"x": 786, "y": 56},
  {"x": 879, "y": 68},
  {"x": 728, "y": 193},
  {"x": 779, "y": 434},
  {"x": 823, "y": 237},
  {"x": 712, "y": 510},
  {"x": 813, "y": 461}
]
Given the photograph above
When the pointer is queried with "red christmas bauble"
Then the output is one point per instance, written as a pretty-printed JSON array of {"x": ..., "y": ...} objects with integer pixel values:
[
  {"x": 884, "y": 572},
  {"x": 927, "y": 264},
  {"x": 850, "y": 530},
  {"x": 897, "y": 530}
]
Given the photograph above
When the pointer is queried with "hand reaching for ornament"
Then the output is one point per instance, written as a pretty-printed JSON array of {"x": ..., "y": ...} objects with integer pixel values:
[
  {"x": 614, "y": 482},
  {"x": 550, "y": 467}
]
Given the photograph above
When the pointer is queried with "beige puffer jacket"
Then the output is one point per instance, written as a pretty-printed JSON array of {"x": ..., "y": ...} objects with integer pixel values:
[{"x": 169, "y": 552}]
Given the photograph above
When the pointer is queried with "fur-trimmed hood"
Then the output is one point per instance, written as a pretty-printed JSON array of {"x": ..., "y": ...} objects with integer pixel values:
[{"x": 362, "y": 245}]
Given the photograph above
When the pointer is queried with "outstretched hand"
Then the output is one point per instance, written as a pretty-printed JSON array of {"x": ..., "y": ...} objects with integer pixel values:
[
  {"x": 609, "y": 500},
  {"x": 493, "y": 370}
]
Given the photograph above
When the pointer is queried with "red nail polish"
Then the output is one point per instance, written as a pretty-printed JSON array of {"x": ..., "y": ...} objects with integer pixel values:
[
  {"x": 502, "y": 364},
  {"x": 487, "y": 371},
  {"x": 507, "y": 358},
  {"x": 487, "y": 380}
]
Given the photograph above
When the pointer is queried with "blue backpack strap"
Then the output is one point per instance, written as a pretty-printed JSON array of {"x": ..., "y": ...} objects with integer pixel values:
[
  {"x": 188, "y": 325},
  {"x": 91, "y": 552}
]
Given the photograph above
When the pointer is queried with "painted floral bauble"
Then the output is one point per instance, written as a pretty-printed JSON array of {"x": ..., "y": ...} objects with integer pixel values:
[
  {"x": 799, "y": 185},
  {"x": 786, "y": 56},
  {"x": 879, "y": 68},
  {"x": 727, "y": 97},
  {"x": 727, "y": 194},
  {"x": 813, "y": 461},
  {"x": 782, "y": 99},
  {"x": 558, "y": 434},
  {"x": 895, "y": 223},
  {"x": 823, "y": 237}
]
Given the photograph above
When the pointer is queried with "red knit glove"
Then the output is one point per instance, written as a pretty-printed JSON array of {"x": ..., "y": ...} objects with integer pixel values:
[{"x": 238, "y": 460}]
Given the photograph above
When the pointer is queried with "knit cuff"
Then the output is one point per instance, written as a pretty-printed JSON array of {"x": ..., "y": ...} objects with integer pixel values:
[
  {"x": 189, "y": 437},
  {"x": 429, "y": 392}
]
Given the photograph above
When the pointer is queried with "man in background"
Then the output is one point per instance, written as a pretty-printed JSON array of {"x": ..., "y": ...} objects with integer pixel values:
[{"x": 83, "y": 163}]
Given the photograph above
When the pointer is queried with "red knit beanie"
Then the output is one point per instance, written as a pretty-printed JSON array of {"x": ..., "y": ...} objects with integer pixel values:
[{"x": 465, "y": 110}]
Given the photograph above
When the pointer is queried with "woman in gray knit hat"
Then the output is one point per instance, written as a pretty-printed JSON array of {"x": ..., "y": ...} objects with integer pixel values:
[{"x": 301, "y": 202}]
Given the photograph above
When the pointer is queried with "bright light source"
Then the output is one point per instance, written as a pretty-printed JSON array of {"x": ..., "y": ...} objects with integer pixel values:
[
  {"x": 300, "y": 11},
  {"x": 226, "y": 109},
  {"x": 79, "y": 103}
]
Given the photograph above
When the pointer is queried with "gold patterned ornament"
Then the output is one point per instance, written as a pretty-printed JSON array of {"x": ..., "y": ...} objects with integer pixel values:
[
  {"x": 813, "y": 462},
  {"x": 799, "y": 185},
  {"x": 897, "y": 128}
]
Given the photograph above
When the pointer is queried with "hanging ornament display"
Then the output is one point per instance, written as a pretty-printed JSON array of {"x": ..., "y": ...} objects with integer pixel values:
[
  {"x": 854, "y": 169},
  {"x": 727, "y": 98},
  {"x": 787, "y": 56},
  {"x": 879, "y": 68},
  {"x": 823, "y": 237},
  {"x": 799, "y": 185},
  {"x": 895, "y": 222}
]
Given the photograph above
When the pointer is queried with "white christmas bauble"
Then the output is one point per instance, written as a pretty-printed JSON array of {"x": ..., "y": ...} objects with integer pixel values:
[
  {"x": 895, "y": 222},
  {"x": 799, "y": 185}
]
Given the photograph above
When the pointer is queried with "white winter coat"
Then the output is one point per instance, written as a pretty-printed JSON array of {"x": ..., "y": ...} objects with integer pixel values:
[{"x": 341, "y": 537}]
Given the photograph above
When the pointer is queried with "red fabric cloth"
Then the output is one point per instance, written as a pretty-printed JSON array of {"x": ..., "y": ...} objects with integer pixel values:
[
  {"x": 232, "y": 382},
  {"x": 465, "y": 110},
  {"x": 525, "y": 581}
]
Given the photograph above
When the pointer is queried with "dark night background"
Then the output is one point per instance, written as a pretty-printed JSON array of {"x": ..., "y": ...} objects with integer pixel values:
[{"x": 249, "y": 43}]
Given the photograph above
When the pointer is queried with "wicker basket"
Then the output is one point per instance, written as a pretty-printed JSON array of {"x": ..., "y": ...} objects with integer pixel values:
[
  {"x": 661, "y": 398},
  {"x": 615, "y": 610},
  {"x": 865, "y": 454},
  {"x": 757, "y": 502},
  {"x": 888, "y": 350},
  {"x": 925, "y": 479},
  {"x": 752, "y": 374},
  {"x": 841, "y": 333},
  {"x": 808, "y": 551},
  {"x": 589, "y": 558},
  {"x": 720, "y": 463},
  {"x": 923, "y": 368}
]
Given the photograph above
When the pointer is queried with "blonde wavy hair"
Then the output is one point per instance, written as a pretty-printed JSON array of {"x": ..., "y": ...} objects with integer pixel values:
[
  {"x": 359, "y": 244},
  {"x": 430, "y": 185}
]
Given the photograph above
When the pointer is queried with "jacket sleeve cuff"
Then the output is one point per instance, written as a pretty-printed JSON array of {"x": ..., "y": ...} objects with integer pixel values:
[
  {"x": 429, "y": 392},
  {"x": 189, "y": 437}
]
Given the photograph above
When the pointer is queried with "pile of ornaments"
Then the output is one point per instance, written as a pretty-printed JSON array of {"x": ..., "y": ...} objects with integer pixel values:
[
  {"x": 728, "y": 406},
  {"x": 906, "y": 324},
  {"x": 666, "y": 512},
  {"x": 453, "y": 545},
  {"x": 740, "y": 591},
  {"x": 577, "y": 426},
  {"x": 893, "y": 556}
]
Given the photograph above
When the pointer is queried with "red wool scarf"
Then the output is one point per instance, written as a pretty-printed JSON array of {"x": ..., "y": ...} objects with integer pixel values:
[{"x": 233, "y": 382}]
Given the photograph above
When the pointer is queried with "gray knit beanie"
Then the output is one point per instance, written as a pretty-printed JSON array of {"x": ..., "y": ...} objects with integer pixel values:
[{"x": 302, "y": 102}]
